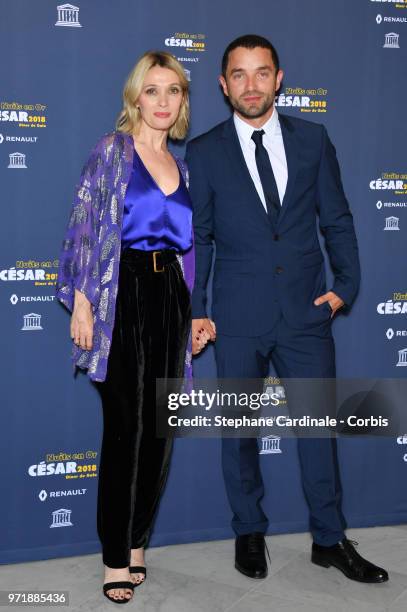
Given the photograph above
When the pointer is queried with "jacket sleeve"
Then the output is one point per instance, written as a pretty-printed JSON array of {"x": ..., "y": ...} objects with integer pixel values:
[
  {"x": 336, "y": 224},
  {"x": 202, "y": 200},
  {"x": 79, "y": 259}
]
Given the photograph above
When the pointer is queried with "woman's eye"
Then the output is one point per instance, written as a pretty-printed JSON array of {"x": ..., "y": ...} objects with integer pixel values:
[
  {"x": 150, "y": 91},
  {"x": 175, "y": 90}
]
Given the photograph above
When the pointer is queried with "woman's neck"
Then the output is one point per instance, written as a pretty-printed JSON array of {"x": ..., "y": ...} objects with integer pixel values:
[{"x": 155, "y": 140}]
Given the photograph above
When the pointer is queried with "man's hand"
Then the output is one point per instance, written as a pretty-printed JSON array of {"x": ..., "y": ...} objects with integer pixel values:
[
  {"x": 203, "y": 330},
  {"x": 334, "y": 301},
  {"x": 82, "y": 322}
]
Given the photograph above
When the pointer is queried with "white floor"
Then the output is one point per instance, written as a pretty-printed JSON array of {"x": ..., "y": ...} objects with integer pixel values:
[{"x": 201, "y": 578}]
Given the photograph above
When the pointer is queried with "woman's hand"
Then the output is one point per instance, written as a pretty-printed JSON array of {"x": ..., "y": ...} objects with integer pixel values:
[
  {"x": 203, "y": 330},
  {"x": 82, "y": 322}
]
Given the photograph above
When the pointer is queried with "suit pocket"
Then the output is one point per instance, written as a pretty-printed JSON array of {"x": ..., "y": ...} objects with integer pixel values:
[{"x": 328, "y": 308}]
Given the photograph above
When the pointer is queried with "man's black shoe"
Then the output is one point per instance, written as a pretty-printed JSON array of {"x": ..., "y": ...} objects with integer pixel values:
[
  {"x": 250, "y": 559},
  {"x": 344, "y": 557}
]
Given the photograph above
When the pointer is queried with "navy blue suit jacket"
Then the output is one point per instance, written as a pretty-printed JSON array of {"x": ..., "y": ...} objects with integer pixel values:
[{"x": 260, "y": 269}]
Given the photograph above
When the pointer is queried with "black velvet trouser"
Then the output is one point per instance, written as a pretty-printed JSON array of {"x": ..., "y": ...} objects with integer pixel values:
[{"x": 150, "y": 334}]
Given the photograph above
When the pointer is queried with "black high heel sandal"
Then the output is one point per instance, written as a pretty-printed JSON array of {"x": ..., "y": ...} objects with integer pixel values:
[
  {"x": 122, "y": 584},
  {"x": 138, "y": 569}
]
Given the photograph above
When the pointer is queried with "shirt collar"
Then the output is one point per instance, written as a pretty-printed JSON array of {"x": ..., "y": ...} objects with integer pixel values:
[{"x": 245, "y": 131}]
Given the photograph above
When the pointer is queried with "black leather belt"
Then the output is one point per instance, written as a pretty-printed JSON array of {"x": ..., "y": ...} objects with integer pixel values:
[{"x": 149, "y": 261}]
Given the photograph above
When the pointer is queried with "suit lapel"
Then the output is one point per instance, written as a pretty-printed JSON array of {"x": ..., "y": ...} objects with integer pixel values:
[
  {"x": 234, "y": 152},
  {"x": 291, "y": 153}
]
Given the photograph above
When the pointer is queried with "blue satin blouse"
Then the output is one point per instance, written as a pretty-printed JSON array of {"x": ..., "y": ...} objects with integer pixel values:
[{"x": 151, "y": 219}]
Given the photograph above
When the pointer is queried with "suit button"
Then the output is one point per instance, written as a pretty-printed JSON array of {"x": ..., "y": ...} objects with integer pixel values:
[
  {"x": 276, "y": 237},
  {"x": 279, "y": 269}
]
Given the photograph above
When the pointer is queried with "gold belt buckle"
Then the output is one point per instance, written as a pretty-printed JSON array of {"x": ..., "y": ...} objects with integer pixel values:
[{"x": 155, "y": 253}]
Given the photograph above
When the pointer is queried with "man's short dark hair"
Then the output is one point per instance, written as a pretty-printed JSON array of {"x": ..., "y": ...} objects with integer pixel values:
[{"x": 249, "y": 41}]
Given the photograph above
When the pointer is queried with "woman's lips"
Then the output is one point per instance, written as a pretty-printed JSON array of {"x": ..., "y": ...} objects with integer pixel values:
[{"x": 162, "y": 115}]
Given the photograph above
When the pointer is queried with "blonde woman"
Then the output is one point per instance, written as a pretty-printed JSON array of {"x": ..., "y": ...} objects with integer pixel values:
[{"x": 126, "y": 273}]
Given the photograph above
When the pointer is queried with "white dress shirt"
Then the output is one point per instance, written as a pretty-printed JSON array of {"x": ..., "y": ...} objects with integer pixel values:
[{"x": 273, "y": 142}]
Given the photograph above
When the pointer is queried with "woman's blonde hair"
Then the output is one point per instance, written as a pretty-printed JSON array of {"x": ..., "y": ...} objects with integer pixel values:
[{"x": 130, "y": 116}]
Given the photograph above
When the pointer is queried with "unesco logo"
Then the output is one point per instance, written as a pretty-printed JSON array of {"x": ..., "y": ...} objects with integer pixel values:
[
  {"x": 68, "y": 16},
  {"x": 17, "y": 160},
  {"x": 391, "y": 41},
  {"x": 61, "y": 518},
  {"x": 392, "y": 224}
]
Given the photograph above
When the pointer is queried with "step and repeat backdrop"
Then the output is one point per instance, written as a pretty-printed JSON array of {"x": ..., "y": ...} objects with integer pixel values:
[{"x": 62, "y": 71}]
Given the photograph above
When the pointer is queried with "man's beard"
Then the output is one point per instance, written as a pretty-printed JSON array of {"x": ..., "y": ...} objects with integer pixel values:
[{"x": 253, "y": 112}]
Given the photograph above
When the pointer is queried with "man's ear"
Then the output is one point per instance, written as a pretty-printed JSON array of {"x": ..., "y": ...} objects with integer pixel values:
[
  {"x": 279, "y": 78},
  {"x": 223, "y": 84}
]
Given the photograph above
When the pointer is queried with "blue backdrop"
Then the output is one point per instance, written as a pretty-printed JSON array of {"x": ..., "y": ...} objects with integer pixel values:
[{"x": 61, "y": 77}]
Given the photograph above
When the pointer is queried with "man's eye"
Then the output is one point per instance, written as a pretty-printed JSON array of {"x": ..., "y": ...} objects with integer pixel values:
[
  {"x": 263, "y": 75},
  {"x": 237, "y": 75}
]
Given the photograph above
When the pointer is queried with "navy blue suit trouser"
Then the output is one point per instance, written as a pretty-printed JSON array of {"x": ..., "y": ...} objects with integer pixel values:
[{"x": 308, "y": 353}]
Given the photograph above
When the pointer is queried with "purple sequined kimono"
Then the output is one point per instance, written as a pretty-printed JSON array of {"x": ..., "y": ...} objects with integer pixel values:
[{"x": 91, "y": 249}]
